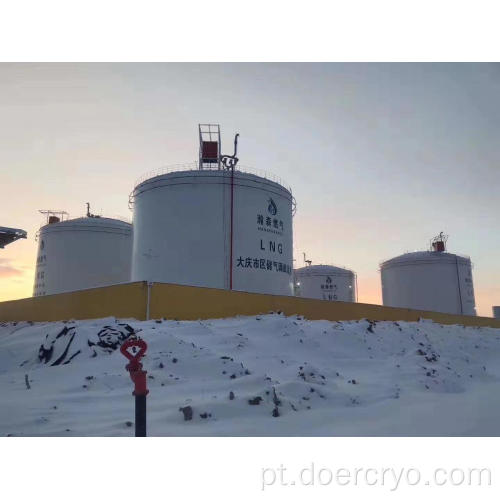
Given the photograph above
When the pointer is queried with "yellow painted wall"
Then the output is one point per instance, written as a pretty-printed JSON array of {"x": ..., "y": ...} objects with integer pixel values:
[
  {"x": 191, "y": 303},
  {"x": 124, "y": 301},
  {"x": 184, "y": 302}
]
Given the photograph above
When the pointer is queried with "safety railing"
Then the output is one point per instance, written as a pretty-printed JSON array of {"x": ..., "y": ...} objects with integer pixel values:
[
  {"x": 194, "y": 166},
  {"x": 416, "y": 262},
  {"x": 183, "y": 167}
]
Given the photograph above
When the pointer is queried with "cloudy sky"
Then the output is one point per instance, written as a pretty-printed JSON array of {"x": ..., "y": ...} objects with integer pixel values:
[{"x": 380, "y": 157}]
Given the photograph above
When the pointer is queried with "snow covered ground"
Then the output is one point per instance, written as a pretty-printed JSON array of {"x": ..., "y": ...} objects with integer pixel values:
[{"x": 268, "y": 375}]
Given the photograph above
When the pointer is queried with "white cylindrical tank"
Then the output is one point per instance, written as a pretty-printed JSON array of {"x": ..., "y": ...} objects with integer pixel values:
[
  {"x": 325, "y": 283},
  {"x": 82, "y": 253},
  {"x": 183, "y": 235},
  {"x": 429, "y": 280},
  {"x": 496, "y": 312}
]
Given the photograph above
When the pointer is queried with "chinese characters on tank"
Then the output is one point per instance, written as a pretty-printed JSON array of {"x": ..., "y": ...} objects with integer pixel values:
[
  {"x": 329, "y": 290},
  {"x": 270, "y": 224},
  {"x": 263, "y": 264}
]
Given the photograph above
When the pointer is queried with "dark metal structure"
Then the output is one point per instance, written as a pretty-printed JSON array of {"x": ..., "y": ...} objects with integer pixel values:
[
  {"x": 209, "y": 156},
  {"x": 10, "y": 234}
]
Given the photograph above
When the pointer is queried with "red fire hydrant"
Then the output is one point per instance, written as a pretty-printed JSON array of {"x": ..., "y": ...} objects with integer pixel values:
[{"x": 134, "y": 349}]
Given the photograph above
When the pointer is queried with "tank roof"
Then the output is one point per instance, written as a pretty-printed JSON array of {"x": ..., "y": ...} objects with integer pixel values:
[
  {"x": 426, "y": 256},
  {"x": 193, "y": 167},
  {"x": 82, "y": 222},
  {"x": 322, "y": 269}
]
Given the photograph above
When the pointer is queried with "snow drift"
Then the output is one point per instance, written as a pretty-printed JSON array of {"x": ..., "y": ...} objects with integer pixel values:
[{"x": 246, "y": 376}]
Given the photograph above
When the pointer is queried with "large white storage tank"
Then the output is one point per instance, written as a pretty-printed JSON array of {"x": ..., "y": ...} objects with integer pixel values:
[
  {"x": 325, "y": 283},
  {"x": 433, "y": 280},
  {"x": 183, "y": 234},
  {"x": 82, "y": 253},
  {"x": 213, "y": 225}
]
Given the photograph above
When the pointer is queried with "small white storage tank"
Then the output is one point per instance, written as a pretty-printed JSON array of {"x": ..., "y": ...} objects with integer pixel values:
[
  {"x": 496, "y": 312},
  {"x": 82, "y": 253},
  {"x": 183, "y": 234},
  {"x": 325, "y": 283},
  {"x": 432, "y": 280}
]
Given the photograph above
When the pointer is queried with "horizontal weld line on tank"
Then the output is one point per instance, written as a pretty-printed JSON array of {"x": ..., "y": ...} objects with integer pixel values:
[{"x": 289, "y": 198}]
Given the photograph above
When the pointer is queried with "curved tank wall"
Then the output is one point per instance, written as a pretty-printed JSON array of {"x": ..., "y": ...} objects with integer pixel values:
[
  {"x": 496, "y": 312},
  {"x": 82, "y": 253},
  {"x": 432, "y": 281},
  {"x": 325, "y": 283},
  {"x": 182, "y": 231}
]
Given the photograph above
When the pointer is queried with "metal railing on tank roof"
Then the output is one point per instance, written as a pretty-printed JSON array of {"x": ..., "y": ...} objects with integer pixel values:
[
  {"x": 99, "y": 216},
  {"x": 184, "y": 167},
  {"x": 180, "y": 167},
  {"x": 408, "y": 252},
  {"x": 84, "y": 216}
]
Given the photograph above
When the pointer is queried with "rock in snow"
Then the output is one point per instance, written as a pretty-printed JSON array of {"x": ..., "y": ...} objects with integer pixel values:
[{"x": 292, "y": 376}]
